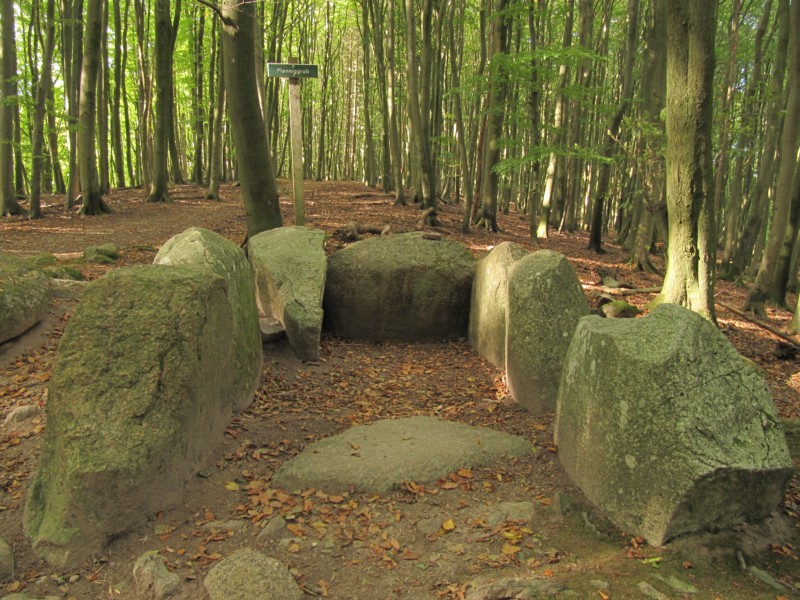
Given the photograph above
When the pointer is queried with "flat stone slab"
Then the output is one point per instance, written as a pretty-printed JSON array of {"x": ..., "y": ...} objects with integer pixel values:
[{"x": 381, "y": 456}]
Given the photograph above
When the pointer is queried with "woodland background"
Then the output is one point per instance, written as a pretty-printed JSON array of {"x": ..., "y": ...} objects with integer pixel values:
[{"x": 556, "y": 109}]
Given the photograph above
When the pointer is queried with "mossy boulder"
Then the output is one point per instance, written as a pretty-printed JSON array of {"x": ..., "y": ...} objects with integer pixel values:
[
  {"x": 487, "y": 315},
  {"x": 400, "y": 287},
  {"x": 24, "y": 296},
  {"x": 203, "y": 248},
  {"x": 665, "y": 427},
  {"x": 290, "y": 269},
  {"x": 139, "y": 394},
  {"x": 545, "y": 303},
  {"x": 103, "y": 254}
]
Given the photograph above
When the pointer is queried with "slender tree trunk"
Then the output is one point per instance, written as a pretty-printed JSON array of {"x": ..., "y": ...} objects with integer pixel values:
[
  {"x": 783, "y": 188},
  {"x": 259, "y": 192},
  {"x": 116, "y": 102},
  {"x": 394, "y": 130},
  {"x": 458, "y": 112},
  {"x": 45, "y": 80},
  {"x": 610, "y": 144},
  {"x": 93, "y": 203},
  {"x": 215, "y": 175},
  {"x": 8, "y": 71},
  {"x": 199, "y": 129},
  {"x": 159, "y": 191},
  {"x": 103, "y": 87},
  {"x": 689, "y": 280},
  {"x": 557, "y": 134},
  {"x": 495, "y": 107}
]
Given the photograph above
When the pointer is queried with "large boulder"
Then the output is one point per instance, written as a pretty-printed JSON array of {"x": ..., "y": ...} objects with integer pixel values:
[
  {"x": 664, "y": 426},
  {"x": 545, "y": 303},
  {"x": 24, "y": 296},
  {"x": 203, "y": 248},
  {"x": 487, "y": 314},
  {"x": 400, "y": 287},
  {"x": 139, "y": 393},
  {"x": 290, "y": 267}
]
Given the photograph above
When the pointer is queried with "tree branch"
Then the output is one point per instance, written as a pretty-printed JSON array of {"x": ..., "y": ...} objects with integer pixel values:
[{"x": 226, "y": 21}]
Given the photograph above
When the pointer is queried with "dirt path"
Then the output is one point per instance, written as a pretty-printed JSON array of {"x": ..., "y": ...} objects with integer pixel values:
[{"x": 438, "y": 540}]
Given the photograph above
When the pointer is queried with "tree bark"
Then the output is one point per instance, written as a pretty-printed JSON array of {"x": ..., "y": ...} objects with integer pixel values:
[
  {"x": 45, "y": 81},
  {"x": 159, "y": 191},
  {"x": 93, "y": 203},
  {"x": 256, "y": 175},
  {"x": 609, "y": 146},
  {"x": 8, "y": 71},
  {"x": 495, "y": 107},
  {"x": 691, "y": 253},
  {"x": 760, "y": 291}
]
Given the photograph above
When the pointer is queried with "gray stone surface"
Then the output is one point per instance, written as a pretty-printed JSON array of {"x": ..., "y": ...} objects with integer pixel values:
[
  {"x": 545, "y": 302},
  {"x": 271, "y": 330},
  {"x": 140, "y": 393},
  {"x": 250, "y": 575},
  {"x": 381, "y": 456},
  {"x": 272, "y": 531},
  {"x": 24, "y": 296},
  {"x": 6, "y": 561},
  {"x": 665, "y": 427},
  {"x": 20, "y": 415},
  {"x": 290, "y": 268},
  {"x": 153, "y": 579},
  {"x": 203, "y": 248},
  {"x": 399, "y": 287},
  {"x": 487, "y": 314}
]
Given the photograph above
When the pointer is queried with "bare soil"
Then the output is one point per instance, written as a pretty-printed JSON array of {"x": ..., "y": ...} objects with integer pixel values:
[{"x": 431, "y": 540}]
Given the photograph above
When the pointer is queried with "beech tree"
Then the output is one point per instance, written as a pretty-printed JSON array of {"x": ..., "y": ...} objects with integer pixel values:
[
  {"x": 691, "y": 251},
  {"x": 8, "y": 71},
  {"x": 259, "y": 192}
]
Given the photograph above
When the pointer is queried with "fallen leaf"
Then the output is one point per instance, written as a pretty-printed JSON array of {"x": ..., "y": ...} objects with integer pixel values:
[
  {"x": 232, "y": 486},
  {"x": 448, "y": 525},
  {"x": 510, "y": 549}
]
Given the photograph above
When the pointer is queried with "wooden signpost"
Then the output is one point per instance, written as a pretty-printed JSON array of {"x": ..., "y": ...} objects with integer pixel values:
[{"x": 295, "y": 72}]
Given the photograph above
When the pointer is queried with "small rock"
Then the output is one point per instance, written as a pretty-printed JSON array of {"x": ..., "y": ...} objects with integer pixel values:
[
  {"x": 766, "y": 578},
  {"x": 619, "y": 309},
  {"x": 522, "y": 589},
  {"x": 21, "y": 414},
  {"x": 651, "y": 592},
  {"x": 271, "y": 330},
  {"x": 600, "y": 584},
  {"x": 676, "y": 584},
  {"x": 273, "y": 530},
  {"x": 153, "y": 578},
  {"x": 250, "y": 575},
  {"x": 6, "y": 561},
  {"x": 232, "y": 525}
]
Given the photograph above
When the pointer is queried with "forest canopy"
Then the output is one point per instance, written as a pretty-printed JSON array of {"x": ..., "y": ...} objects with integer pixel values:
[{"x": 557, "y": 109}]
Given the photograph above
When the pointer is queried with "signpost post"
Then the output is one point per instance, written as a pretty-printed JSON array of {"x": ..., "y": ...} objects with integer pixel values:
[{"x": 295, "y": 72}]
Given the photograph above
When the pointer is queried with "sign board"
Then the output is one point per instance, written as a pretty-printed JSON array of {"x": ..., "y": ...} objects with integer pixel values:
[{"x": 290, "y": 70}]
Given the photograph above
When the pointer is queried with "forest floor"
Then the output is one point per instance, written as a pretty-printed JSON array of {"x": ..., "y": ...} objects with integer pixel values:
[{"x": 424, "y": 541}]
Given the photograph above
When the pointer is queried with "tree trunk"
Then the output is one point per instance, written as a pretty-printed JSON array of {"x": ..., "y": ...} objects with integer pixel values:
[
  {"x": 557, "y": 135},
  {"x": 45, "y": 80},
  {"x": 197, "y": 98},
  {"x": 93, "y": 203},
  {"x": 215, "y": 174},
  {"x": 495, "y": 107},
  {"x": 394, "y": 130},
  {"x": 116, "y": 102},
  {"x": 159, "y": 191},
  {"x": 689, "y": 281},
  {"x": 783, "y": 188},
  {"x": 8, "y": 71},
  {"x": 609, "y": 146},
  {"x": 256, "y": 175}
]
